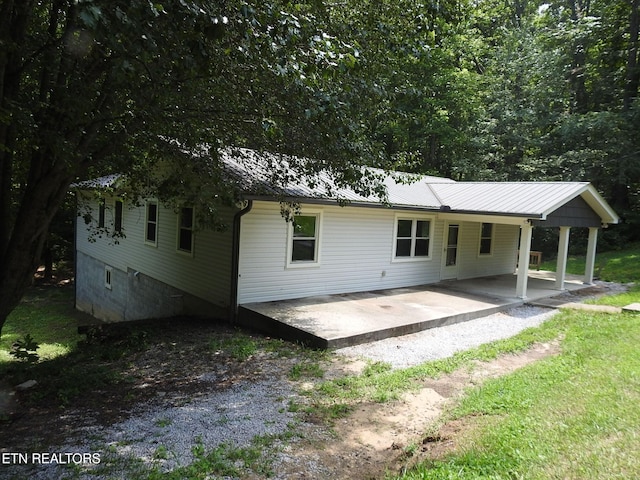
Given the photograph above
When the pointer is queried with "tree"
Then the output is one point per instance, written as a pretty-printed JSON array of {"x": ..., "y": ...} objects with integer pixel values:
[{"x": 98, "y": 86}]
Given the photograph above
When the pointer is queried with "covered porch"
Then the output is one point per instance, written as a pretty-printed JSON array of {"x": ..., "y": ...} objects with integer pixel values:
[{"x": 335, "y": 321}]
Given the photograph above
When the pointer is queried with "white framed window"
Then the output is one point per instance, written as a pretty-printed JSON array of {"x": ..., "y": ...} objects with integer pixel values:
[
  {"x": 304, "y": 240},
  {"x": 486, "y": 239},
  {"x": 412, "y": 238},
  {"x": 118, "y": 214},
  {"x": 186, "y": 222},
  {"x": 101, "y": 212},
  {"x": 151, "y": 224},
  {"x": 108, "y": 276}
]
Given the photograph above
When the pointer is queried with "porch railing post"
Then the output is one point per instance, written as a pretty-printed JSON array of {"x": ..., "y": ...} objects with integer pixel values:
[
  {"x": 591, "y": 255},
  {"x": 526, "y": 231},
  {"x": 563, "y": 252}
]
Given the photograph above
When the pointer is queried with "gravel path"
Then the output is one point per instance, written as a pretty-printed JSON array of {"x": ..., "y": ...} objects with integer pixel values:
[
  {"x": 168, "y": 434},
  {"x": 442, "y": 342}
]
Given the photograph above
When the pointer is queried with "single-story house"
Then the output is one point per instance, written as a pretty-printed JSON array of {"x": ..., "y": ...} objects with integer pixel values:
[{"x": 429, "y": 230}]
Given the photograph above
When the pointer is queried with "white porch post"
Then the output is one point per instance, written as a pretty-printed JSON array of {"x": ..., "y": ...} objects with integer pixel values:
[
  {"x": 563, "y": 252},
  {"x": 591, "y": 255},
  {"x": 526, "y": 231}
]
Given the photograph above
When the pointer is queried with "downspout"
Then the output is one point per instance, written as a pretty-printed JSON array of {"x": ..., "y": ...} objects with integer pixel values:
[{"x": 235, "y": 261}]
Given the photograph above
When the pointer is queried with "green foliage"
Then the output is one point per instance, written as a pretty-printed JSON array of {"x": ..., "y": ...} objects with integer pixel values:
[
  {"x": 621, "y": 266},
  {"x": 306, "y": 369},
  {"x": 238, "y": 346},
  {"x": 24, "y": 350}
]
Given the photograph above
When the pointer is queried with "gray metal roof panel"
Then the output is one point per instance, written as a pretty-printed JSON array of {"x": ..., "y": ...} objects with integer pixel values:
[
  {"x": 269, "y": 174},
  {"x": 510, "y": 198}
]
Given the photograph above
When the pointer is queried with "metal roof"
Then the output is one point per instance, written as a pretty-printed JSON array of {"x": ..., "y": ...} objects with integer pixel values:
[
  {"x": 509, "y": 198},
  {"x": 260, "y": 172},
  {"x": 268, "y": 175},
  {"x": 108, "y": 181},
  {"x": 522, "y": 199}
]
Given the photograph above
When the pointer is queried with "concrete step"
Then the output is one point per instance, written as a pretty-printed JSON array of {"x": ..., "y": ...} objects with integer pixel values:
[
  {"x": 632, "y": 307},
  {"x": 558, "y": 303}
]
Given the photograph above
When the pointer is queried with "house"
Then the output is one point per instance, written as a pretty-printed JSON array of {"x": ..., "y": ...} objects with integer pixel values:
[{"x": 429, "y": 230}]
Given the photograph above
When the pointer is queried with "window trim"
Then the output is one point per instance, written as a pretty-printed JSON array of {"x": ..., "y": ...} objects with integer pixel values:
[
  {"x": 147, "y": 222},
  {"x": 118, "y": 215},
  {"x": 318, "y": 238},
  {"x": 108, "y": 277},
  {"x": 179, "y": 229},
  {"x": 414, "y": 224},
  {"x": 102, "y": 212},
  {"x": 491, "y": 240}
]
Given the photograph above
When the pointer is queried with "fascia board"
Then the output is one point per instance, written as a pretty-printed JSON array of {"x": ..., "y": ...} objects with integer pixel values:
[{"x": 486, "y": 218}]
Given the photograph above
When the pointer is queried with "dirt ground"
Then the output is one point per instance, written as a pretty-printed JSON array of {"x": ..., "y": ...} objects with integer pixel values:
[{"x": 381, "y": 438}]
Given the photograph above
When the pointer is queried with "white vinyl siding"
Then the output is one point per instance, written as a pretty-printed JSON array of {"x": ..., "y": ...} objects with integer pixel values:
[
  {"x": 356, "y": 247},
  {"x": 206, "y": 274},
  {"x": 501, "y": 261}
]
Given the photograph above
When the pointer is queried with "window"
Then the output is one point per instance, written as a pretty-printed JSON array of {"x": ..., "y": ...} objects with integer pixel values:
[
  {"x": 117, "y": 223},
  {"x": 107, "y": 277},
  {"x": 304, "y": 239},
  {"x": 486, "y": 238},
  {"x": 101, "y": 213},
  {"x": 412, "y": 238},
  {"x": 151, "y": 233},
  {"x": 185, "y": 229}
]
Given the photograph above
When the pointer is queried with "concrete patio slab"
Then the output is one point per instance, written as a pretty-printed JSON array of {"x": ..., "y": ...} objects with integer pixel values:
[{"x": 335, "y": 321}]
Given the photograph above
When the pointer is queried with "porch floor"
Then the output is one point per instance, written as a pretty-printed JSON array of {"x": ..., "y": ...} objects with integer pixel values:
[{"x": 336, "y": 321}]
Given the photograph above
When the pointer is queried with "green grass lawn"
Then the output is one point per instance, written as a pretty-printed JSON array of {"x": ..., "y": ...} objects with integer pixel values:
[
  {"x": 575, "y": 415},
  {"x": 47, "y": 315},
  {"x": 621, "y": 266}
]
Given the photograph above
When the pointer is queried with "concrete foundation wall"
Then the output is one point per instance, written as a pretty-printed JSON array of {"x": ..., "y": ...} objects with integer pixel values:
[{"x": 132, "y": 295}]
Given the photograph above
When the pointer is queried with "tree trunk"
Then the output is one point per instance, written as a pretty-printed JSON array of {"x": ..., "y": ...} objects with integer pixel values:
[
  {"x": 24, "y": 249},
  {"x": 13, "y": 24},
  {"x": 633, "y": 70},
  {"x": 577, "y": 75}
]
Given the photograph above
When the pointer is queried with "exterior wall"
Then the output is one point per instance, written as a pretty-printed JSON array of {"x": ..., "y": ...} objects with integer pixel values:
[
  {"x": 150, "y": 281},
  {"x": 502, "y": 259},
  {"x": 356, "y": 255}
]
